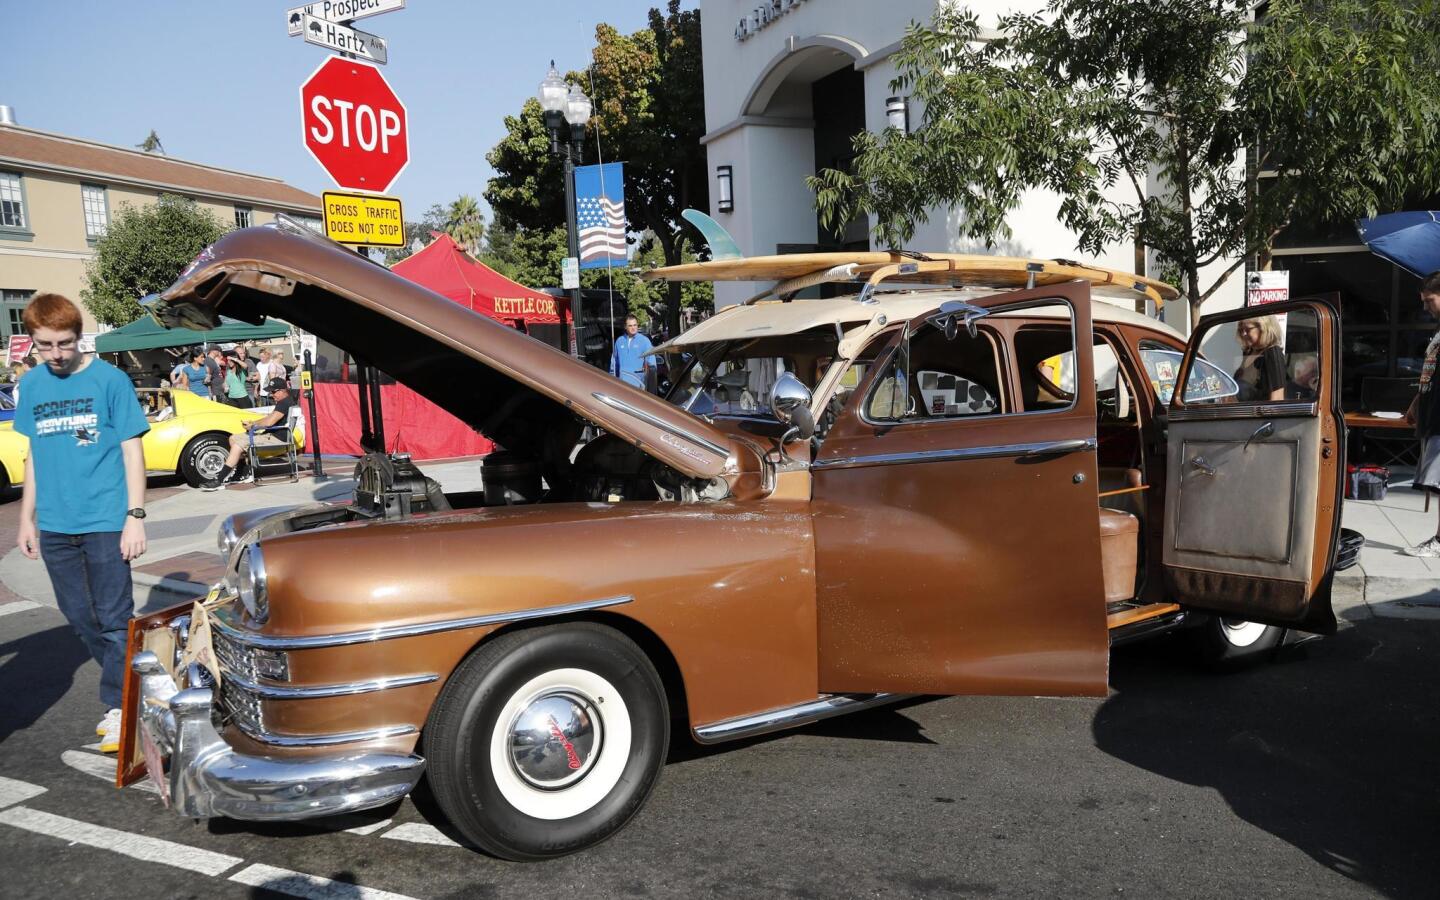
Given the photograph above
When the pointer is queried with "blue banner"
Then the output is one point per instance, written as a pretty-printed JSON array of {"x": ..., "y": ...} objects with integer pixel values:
[{"x": 600, "y": 215}]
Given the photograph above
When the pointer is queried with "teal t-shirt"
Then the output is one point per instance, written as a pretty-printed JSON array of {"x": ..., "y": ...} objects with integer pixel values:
[{"x": 75, "y": 424}]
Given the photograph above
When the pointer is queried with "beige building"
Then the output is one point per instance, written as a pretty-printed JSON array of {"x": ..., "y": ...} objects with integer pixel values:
[{"x": 58, "y": 195}]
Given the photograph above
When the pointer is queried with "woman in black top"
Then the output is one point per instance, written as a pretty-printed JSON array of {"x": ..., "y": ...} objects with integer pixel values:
[{"x": 1261, "y": 375}]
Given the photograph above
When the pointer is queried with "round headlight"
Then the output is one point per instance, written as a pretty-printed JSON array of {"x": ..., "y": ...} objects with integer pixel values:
[{"x": 252, "y": 584}]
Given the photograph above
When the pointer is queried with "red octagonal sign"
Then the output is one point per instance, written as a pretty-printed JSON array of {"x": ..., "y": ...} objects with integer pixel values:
[{"x": 354, "y": 125}]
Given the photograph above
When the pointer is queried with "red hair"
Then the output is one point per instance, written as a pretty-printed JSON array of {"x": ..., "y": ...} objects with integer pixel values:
[{"x": 54, "y": 312}]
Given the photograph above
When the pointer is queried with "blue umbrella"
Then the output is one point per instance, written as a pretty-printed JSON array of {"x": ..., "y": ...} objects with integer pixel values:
[{"x": 1410, "y": 240}]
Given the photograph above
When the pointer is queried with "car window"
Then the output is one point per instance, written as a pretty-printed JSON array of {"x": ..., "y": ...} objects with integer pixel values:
[
  {"x": 1208, "y": 382},
  {"x": 947, "y": 378},
  {"x": 1045, "y": 362},
  {"x": 1269, "y": 357},
  {"x": 734, "y": 378},
  {"x": 1112, "y": 387}
]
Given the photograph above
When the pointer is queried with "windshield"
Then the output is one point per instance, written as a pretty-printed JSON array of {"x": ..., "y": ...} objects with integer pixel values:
[{"x": 734, "y": 378}]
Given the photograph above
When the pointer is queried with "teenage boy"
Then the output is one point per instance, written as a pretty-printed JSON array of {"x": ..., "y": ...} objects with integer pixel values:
[
  {"x": 279, "y": 392},
  {"x": 84, "y": 500}
]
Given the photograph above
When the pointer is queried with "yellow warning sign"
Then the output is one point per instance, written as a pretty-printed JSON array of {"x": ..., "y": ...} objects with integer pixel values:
[{"x": 364, "y": 219}]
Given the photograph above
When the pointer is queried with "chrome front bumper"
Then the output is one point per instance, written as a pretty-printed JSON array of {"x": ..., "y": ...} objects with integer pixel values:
[{"x": 206, "y": 776}]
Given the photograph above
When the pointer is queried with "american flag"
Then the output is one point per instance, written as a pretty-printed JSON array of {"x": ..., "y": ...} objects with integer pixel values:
[{"x": 602, "y": 229}]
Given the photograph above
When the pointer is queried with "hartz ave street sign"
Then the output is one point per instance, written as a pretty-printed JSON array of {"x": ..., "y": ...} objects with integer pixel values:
[
  {"x": 338, "y": 11},
  {"x": 343, "y": 39},
  {"x": 354, "y": 125}
]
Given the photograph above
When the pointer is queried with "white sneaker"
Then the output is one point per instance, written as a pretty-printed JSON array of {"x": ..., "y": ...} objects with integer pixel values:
[
  {"x": 1428, "y": 550},
  {"x": 111, "y": 722}
]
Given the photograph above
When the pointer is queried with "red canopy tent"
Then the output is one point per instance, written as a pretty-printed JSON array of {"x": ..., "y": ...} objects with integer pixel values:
[{"x": 413, "y": 424}]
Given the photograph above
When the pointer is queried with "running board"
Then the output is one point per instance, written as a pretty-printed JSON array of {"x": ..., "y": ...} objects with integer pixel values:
[{"x": 792, "y": 716}]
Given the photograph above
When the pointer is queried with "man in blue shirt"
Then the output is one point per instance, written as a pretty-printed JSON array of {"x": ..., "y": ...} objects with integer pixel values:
[
  {"x": 629, "y": 362},
  {"x": 84, "y": 500}
]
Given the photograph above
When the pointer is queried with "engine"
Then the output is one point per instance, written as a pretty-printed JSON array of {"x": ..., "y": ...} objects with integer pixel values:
[{"x": 390, "y": 486}]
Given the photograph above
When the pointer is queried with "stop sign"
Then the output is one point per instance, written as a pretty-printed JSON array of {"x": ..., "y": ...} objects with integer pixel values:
[{"x": 354, "y": 125}]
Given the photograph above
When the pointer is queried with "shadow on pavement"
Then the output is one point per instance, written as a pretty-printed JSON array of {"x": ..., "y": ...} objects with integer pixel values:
[
  {"x": 1334, "y": 749},
  {"x": 25, "y": 695}
]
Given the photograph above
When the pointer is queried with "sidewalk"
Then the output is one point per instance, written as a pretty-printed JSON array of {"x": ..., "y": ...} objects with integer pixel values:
[
  {"x": 1385, "y": 580},
  {"x": 182, "y": 558}
]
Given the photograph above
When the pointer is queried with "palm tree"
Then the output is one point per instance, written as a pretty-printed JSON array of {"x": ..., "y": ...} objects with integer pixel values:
[{"x": 465, "y": 223}]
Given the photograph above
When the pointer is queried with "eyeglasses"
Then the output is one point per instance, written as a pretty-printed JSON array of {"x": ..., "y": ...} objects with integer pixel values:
[{"x": 44, "y": 346}]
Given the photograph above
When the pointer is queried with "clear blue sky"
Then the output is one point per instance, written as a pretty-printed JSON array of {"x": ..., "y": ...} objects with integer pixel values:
[{"x": 219, "y": 82}]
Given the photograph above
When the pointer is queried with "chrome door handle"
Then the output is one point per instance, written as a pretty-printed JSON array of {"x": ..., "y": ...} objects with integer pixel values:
[
  {"x": 1202, "y": 466},
  {"x": 1264, "y": 431},
  {"x": 1055, "y": 448}
]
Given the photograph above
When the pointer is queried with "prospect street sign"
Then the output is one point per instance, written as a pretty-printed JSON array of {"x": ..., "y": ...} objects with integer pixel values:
[
  {"x": 354, "y": 125},
  {"x": 338, "y": 11},
  {"x": 341, "y": 39},
  {"x": 363, "y": 219}
]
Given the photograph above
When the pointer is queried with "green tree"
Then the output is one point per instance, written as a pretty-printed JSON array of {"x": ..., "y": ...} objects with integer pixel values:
[
  {"x": 1142, "y": 119},
  {"x": 142, "y": 252},
  {"x": 465, "y": 223},
  {"x": 152, "y": 144},
  {"x": 649, "y": 111}
]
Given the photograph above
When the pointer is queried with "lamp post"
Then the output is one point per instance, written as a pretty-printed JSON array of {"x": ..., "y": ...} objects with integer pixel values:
[{"x": 567, "y": 104}]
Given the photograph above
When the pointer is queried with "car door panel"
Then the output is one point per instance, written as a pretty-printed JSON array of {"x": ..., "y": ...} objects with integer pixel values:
[
  {"x": 962, "y": 556},
  {"x": 1252, "y": 493}
]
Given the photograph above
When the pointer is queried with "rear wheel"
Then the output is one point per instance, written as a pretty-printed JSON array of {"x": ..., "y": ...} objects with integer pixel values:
[
  {"x": 547, "y": 741},
  {"x": 203, "y": 458},
  {"x": 1226, "y": 643}
]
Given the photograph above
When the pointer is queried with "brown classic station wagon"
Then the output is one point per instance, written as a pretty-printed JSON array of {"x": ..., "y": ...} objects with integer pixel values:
[{"x": 967, "y": 476}]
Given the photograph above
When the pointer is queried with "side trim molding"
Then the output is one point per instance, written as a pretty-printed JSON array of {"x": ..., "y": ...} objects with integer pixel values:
[
  {"x": 220, "y": 618},
  {"x": 792, "y": 716},
  {"x": 325, "y": 740},
  {"x": 288, "y": 692},
  {"x": 1045, "y": 448},
  {"x": 661, "y": 424}
]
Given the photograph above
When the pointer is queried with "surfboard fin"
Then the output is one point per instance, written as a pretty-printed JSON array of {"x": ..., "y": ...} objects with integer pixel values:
[{"x": 722, "y": 245}]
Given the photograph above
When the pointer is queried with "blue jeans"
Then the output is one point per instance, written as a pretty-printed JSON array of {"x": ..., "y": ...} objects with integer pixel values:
[{"x": 93, "y": 590}]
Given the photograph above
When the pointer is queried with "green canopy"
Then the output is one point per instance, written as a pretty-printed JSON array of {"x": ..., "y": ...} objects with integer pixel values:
[{"x": 146, "y": 334}]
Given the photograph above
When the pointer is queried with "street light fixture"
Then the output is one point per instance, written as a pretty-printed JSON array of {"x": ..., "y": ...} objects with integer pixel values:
[
  {"x": 725, "y": 181},
  {"x": 564, "y": 104}
]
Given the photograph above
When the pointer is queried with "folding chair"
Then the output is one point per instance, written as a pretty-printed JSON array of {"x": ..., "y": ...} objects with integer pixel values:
[{"x": 272, "y": 452}]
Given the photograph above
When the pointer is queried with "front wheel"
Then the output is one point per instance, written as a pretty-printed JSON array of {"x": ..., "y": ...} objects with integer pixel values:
[
  {"x": 547, "y": 741},
  {"x": 1226, "y": 643}
]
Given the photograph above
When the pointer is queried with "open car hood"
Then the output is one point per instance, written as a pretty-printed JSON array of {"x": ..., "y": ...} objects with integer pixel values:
[{"x": 515, "y": 390}]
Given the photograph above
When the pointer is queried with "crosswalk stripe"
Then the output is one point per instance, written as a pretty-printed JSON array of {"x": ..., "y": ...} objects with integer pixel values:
[
  {"x": 13, "y": 792},
  {"x": 102, "y": 767},
  {"x": 311, "y": 887},
  {"x": 419, "y": 833},
  {"x": 17, "y": 606},
  {"x": 135, "y": 846}
]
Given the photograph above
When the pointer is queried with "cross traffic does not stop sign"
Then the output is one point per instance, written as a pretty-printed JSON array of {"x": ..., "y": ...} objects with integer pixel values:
[{"x": 354, "y": 125}]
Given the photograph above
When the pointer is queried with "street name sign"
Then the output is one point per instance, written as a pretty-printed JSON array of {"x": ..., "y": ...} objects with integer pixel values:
[
  {"x": 342, "y": 39},
  {"x": 364, "y": 219},
  {"x": 354, "y": 125},
  {"x": 570, "y": 273},
  {"x": 338, "y": 11}
]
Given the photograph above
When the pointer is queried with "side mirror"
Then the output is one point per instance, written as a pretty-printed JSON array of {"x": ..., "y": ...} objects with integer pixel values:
[{"x": 790, "y": 402}]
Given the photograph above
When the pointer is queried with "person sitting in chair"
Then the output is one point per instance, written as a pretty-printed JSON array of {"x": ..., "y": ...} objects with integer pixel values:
[{"x": 279, "y": 391}]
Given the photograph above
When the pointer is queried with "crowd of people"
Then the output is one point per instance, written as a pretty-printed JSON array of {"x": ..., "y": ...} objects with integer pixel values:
[{"x": 232, "y": 376}]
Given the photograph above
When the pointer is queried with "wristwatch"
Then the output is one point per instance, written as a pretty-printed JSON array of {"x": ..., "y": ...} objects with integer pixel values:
[{"x": 138, "y": 512}]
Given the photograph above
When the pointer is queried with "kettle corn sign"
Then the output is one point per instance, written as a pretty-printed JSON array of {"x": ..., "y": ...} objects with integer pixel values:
[
  {"x": 526, "y": 306},
  {"x": 364, "y": 219}
]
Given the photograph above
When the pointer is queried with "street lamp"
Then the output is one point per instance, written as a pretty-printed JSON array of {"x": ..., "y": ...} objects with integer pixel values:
[{"x": 567, "y": 104}]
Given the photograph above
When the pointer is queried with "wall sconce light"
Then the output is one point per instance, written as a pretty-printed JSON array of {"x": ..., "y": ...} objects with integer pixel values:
[
  {"x": 897, "y": 114},
  {"x": 724, "y": 177}
]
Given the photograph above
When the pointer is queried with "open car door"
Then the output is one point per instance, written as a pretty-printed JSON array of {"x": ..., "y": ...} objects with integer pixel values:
[{"x": 1256, "y": 466}]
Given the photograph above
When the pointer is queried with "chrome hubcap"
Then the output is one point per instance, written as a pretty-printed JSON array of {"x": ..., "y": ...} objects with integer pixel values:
[
  {"x": 1241, "y": 632},
  {"x": 555, "y": 740},
  {"x": 211, "y": 461}
]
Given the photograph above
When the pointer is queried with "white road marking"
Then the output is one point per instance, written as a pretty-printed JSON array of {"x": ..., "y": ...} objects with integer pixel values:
[
  {"x": 311, "y": 887},
  {"x": 13, "y": 792},
  {"x": 419, "y": 833},
  {"x": 135, "y": 846},
  {"x": 18, "y": 606},
  {"x": 102, "y": 767},
  {"x": 368, "y": 829}
]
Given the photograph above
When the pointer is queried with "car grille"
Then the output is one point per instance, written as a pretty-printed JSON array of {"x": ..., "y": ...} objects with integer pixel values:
[
  {"x": 241, "y": 707},
  {"x": 234, "y": 657}
]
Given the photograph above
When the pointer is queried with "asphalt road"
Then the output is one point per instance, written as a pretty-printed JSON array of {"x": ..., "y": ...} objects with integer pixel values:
[{"x": 1314, "y": 776}]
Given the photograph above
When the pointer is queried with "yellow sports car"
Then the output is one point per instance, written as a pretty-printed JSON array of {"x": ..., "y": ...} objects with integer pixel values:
[
  {"x": 188, "y": 434},
  {"x": 13, "y": 450}
]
